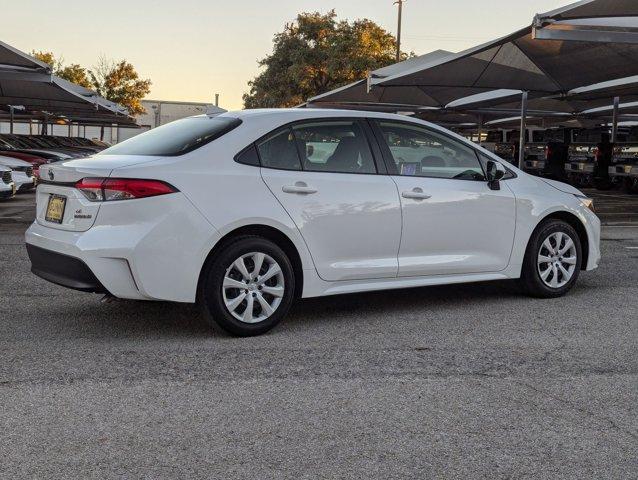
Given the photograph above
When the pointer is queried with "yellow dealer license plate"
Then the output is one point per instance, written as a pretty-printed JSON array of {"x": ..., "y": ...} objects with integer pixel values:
[{"x": 55, "y": 208}]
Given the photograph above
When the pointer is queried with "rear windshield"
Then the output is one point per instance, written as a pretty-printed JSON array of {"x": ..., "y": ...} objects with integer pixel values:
[{"x": 175, "y": 138}]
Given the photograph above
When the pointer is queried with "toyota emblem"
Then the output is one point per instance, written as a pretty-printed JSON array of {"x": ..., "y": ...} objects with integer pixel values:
[{"x": 51, "y": 176}]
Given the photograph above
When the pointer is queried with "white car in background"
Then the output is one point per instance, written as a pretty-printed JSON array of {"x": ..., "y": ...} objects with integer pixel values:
[
  {"x": 7, "y": 186},
  {"x": 22, "y": 173},
  {"x": 245, "y": 211}
]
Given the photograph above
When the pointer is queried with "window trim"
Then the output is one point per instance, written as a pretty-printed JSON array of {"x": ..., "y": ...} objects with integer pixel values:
[
  {"x": 375, "y": 151},
  {"x": 389, "y": 159}
]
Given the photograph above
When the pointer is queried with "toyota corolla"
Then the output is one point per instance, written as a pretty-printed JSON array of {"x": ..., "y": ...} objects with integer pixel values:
[{"x": 246, "y": 211}]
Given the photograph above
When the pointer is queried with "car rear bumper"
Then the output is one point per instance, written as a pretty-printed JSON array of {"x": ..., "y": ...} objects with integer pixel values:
[
  {"x": 143, "y": 249},
  {"x": 63, "y": 270}
]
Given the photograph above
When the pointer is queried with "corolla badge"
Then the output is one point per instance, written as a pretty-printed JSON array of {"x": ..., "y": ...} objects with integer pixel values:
[{"x": 51, "y": 175}]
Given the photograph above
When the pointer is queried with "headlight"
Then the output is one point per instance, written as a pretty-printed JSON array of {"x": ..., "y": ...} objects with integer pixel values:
[{"x": 586, "y": 202}]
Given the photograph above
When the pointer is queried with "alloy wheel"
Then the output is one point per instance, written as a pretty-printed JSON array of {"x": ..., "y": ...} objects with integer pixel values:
[
  {"x": 557, "y": 259},
  {"x": 253, "y": 287}
]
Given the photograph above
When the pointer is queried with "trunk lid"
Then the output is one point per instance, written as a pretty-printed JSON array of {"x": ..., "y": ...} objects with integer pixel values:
[{"x": 58, "y": 180}]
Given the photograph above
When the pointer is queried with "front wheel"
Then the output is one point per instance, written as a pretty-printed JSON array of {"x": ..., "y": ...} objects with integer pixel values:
[
  {"x": 248, "y": 287},
  {"x": 552, "y": 261}
]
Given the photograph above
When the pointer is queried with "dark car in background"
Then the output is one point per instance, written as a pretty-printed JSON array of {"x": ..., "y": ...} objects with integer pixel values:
[
  {"x": 47, "y": 148},
  {"x": 623, "y": 169}
]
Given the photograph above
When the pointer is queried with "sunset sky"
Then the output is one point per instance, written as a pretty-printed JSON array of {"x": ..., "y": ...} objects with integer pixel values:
[{"x": 192, "y": 49}]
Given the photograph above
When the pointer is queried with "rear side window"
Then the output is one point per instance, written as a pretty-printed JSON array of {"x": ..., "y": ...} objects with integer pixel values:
[
  {"x": 175, "y": 138},
  {"x": 334, "y": 146},
  {"x": 279, "y": 151},
  {"x": 248, "y": 156}
]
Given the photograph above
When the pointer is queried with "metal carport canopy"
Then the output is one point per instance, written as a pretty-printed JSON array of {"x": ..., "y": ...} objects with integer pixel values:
[
  {"x": 537, "y": 68},
  {"x": 358, "y": 93},
  {"x": 27, "y": 82}
]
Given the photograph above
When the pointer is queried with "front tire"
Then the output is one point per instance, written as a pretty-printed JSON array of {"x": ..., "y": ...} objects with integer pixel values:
[
  {"x": 552, "y": 261},
  {"x": 248, "y": 287}
]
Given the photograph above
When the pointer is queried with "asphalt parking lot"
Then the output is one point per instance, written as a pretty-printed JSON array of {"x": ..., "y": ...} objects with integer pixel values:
[{"x": 470, "y": 381}]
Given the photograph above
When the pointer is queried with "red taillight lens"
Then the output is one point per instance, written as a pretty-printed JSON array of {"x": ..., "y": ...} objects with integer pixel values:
[
  {"x": 109, "y": 189},
  {"x": 548, "y": 153}
]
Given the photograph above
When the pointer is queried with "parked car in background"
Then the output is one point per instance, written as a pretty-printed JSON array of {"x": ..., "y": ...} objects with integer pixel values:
[
  {"x": 34, "y": 160},
  {"x": 28, "y": 145},
  {"x": 623, "y": 170},
  {"x": 245, "y": 211},
  {"x": 79, "y": 143},
  {"x": 7, "y": 186},
  {"x": 22, "y": 173}
]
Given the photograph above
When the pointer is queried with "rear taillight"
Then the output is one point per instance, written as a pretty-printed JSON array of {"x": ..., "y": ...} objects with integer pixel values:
[
  {"x": 548, "y": 152},
  {"x": 110, "y": 189}
]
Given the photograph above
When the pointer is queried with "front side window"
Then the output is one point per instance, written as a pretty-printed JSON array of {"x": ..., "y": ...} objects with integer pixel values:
[
  {"x": 338, "y": 146},
  {"x": 175, "y": 138},
  {"x": 420, "y": 152}
]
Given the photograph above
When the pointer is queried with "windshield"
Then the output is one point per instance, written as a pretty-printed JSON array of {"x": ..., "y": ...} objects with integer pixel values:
[{"x": 175, "y": 138}]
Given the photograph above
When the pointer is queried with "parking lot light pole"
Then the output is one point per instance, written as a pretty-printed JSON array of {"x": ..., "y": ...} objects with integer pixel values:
[
  {"x": 521, "y": 144},
  {"x": 400, "y": 4}
]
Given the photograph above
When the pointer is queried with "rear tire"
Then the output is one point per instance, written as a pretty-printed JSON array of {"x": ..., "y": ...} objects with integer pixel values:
[
  {"x": 248, "y": 287},
  {"x": 552, "y": 261}
]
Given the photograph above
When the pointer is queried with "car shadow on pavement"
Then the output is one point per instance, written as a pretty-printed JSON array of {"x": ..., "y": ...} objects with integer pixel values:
[{"x": 125, "y": 319}]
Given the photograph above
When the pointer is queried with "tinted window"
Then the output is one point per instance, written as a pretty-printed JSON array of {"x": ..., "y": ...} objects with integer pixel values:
[
  {"x": 248, "y": 156},
  {"x": 334, "y": 146},
  {"x": 418, "y": 151},
  {"x": 175, "y": 138},
  {"x": 279, "y": 151}
]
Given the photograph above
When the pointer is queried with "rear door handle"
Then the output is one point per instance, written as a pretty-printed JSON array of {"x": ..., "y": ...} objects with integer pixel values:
[
  {"x": 416, "y": 194},
  {"x": 300, "y": 188}
]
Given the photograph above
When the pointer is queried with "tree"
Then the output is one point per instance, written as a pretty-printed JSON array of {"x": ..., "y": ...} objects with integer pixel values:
[
  {"x": 74, "y": 73},
  {"x": 120, "y": 83},
  {"x": 315, "y": 54}
]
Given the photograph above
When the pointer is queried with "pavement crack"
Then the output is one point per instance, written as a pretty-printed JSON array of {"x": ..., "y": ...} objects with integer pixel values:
[{"x": 579, "y": 409}]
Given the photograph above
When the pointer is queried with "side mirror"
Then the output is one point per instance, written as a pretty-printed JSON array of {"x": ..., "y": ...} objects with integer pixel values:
[{"x": 495, "y": 172}]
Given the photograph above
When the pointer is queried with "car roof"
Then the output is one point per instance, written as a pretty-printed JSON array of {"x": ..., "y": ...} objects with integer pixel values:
[
  {"x": 13, "y": 162},
  {"x": 295, "y": 113}
]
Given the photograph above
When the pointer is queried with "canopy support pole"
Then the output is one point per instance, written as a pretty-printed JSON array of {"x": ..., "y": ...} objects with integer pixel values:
[
  {"x": 480, "y": 129},
  {"x": 11, "y": 119},
  {"x": 521, "y": 143},
  {"x": 614, "y": 128}
]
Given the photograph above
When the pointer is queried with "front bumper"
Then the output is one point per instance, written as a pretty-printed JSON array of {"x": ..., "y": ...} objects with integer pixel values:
[
  {"x": 9, "y": 191},
  {"x": 63, "y": 270}
]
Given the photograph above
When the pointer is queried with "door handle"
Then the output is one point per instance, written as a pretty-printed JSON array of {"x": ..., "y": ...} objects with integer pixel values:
[
  {"x": 300, "y": 188},
  {"x": 416, "y": 194}
]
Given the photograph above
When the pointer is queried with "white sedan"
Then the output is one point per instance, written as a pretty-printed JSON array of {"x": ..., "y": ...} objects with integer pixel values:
[
  {"x": 22, "y": 173},
  {"x": 245, "y": 211},
  {"x": 7, "y": 185}
]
